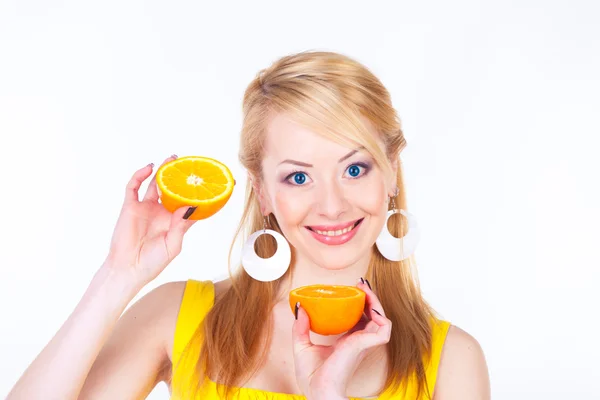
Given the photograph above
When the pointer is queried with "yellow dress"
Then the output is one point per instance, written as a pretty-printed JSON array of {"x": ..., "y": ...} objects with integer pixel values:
[{"x": 198, "y": 298}]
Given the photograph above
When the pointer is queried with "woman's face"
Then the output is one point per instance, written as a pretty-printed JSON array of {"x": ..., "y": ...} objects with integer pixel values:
[{"x": 330, "y": 200}]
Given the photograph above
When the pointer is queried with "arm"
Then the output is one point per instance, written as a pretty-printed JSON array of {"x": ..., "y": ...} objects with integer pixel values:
[
  {"x": 136, "y": 357},
  {"x": 463, "y": 373},
  {"x": 145, "y": 240},
  {"x": 60, "y": 369},
  {"x": 96, "y": 355}
]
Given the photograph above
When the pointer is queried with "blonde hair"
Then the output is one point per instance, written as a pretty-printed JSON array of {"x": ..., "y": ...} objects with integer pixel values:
[{"x": 335, "y": 96}]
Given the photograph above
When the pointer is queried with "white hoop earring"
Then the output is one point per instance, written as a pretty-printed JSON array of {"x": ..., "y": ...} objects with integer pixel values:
[
  {"x": 398, "y": 249},
  {"x": 266, "y": 269}
]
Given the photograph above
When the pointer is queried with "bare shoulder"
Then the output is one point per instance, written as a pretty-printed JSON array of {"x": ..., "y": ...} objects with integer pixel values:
[
  {"x": 163, "y": 301},
  {"x": 222, "y": 286},
  {"x": 463, "y": 372},
  {"x": 160, "y": 308}
]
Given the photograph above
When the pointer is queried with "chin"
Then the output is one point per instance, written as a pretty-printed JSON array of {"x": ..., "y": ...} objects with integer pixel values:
[{"x": 335, "y": 263}]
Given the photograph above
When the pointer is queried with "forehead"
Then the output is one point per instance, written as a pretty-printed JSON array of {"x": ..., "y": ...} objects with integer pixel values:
[{"x": 288, "y": 139}]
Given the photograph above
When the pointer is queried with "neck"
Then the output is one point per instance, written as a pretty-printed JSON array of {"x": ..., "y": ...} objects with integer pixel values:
[{"x": 306, "y": 272}]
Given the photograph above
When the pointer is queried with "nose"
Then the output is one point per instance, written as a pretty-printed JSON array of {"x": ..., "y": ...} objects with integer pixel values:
[{"x": 331, "y": 201}]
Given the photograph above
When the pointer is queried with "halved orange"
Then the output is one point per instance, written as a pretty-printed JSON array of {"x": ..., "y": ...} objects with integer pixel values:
[
  {"x": 195, "y": 181},
  {"x": 332, "y": 309}
]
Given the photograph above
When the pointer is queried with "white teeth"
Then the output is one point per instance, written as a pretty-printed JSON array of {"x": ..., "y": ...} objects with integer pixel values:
[{"x": 335, "y": 233}]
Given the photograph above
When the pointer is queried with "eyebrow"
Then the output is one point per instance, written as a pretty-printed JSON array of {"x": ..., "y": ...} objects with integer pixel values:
[{"x": 303, "y": 164}]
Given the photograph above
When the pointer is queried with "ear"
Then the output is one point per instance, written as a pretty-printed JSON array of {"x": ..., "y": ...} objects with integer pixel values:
[{"x": 263, "y": 199}]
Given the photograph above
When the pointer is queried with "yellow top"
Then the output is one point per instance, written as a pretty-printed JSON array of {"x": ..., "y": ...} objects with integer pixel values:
[{"x": 198, "y": 298}]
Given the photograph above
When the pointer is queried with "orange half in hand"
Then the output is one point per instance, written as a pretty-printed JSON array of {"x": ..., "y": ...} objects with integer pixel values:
[
  {"x": 332, "y": 309},
  {"x": 195, "y": 181}
]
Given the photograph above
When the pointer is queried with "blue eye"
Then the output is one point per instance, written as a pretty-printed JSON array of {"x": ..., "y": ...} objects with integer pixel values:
[
  {"x": 355, "y": 170},
  {"x": 299, "y": 178}
]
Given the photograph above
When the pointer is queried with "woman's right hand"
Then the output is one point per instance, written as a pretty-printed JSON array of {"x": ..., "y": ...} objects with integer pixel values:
[{"x": 147, "y": 237}]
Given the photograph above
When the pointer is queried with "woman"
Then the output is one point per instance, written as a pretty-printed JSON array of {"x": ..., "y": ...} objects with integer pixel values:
[{"x": 321, "y": 144}]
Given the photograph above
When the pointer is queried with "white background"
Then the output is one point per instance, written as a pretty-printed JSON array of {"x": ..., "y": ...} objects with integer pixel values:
[{"x": 499, "y": 103}]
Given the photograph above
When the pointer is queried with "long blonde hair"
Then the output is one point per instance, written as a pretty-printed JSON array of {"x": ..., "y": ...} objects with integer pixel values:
[{"x": 333, "y": 95}]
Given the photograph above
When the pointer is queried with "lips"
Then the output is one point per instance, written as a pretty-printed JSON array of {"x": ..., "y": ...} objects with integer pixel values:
[
  {"x": 335, "y": 234},
  {"x": 334, "y": 230}
]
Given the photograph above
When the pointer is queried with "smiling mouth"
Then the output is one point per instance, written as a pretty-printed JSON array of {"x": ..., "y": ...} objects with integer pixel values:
[{"x": 337, "y": 232}]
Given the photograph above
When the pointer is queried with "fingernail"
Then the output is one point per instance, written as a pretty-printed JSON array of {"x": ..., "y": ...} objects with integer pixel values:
[
  {"x": 151, "y": 165},
  {"x": 378, "y": 313},
  {"x": 174, "y": 156},
  {"x": 368, "y": 284},
  {"x": 296, "y": 310},
  {"x": 362, "y": 280},
  {"x": 189, "y": 212}
]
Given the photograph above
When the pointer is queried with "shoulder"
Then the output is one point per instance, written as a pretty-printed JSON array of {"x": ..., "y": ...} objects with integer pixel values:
[
  {"x": 463, "y": 372},
  {"x": 159, "y": 308},
  {"x": 159, "y": 304},
  {"x": 166, "y": 300},
  {"x": 185, "y": 303},
  {"x": 221, "y": 287}
]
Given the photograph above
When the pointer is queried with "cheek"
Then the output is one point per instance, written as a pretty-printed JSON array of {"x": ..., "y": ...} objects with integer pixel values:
[
  {"x": 371, "y": 196},
  {"x": 291, "y": 208}
]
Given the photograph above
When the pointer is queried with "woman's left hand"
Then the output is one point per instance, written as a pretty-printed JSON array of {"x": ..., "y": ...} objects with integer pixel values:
[{"x": 323, "y": 372}]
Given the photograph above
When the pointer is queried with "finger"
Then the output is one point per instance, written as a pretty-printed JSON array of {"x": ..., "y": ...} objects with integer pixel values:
[
  {"x": 152, "y": 191},
  {"x": 379, "y": 319},
  {"x": 381, "y": 329},
  {"x": 177, "y": 229},
  {"x": 373, "y": 317},
  {"x": 371, "y": 300},
  {"x": 133, "y": 186},
  {"x": 377, "y": 332},
  {"x": 300, "y": 330},
  {"x": 360, "y": 325},
  {"x": 364, "y": 325}
]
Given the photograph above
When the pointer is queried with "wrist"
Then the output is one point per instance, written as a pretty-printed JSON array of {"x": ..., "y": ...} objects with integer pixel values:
[{"x": 120, "y": 284}]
